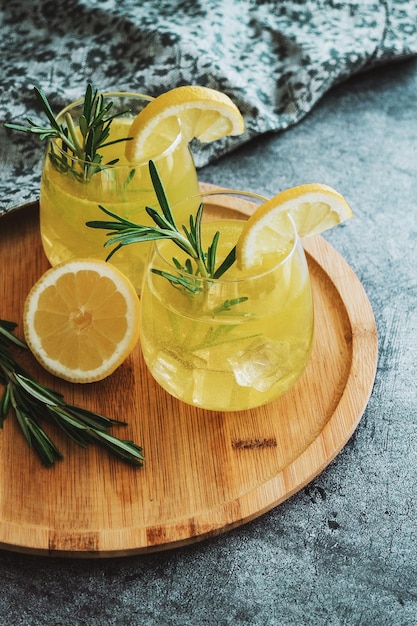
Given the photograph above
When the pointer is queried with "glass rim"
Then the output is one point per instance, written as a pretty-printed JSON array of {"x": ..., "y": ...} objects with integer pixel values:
[
  {"x": 223, "y": 279},
  {"x": 134, "y": 164}
]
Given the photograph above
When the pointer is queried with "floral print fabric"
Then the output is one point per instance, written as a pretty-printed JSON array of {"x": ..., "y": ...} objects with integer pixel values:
[{"x": 275, "y": 59}]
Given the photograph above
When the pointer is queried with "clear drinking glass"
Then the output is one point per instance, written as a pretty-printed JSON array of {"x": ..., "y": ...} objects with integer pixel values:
[
  {"x": 239, "y": 341},
  {"x": 68, "y": 200}
]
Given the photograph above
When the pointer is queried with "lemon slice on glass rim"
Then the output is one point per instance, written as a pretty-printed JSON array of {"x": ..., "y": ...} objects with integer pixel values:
[
  {"x": 81, "y": 320},
  {"x": 313, "y": 207},
  {"x": 203, "y": 113}
]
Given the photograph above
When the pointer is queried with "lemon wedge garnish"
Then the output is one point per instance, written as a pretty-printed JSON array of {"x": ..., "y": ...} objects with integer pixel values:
[
  {"x": 201, "y": 113},
  {"x": 313, "y": 208}
]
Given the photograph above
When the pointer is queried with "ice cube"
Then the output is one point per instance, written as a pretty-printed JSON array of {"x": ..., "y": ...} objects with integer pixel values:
[
  {"x": 262, "y": 364},
  {"x": 174, "y": 373},
  {"x": 211, "y": 389}
]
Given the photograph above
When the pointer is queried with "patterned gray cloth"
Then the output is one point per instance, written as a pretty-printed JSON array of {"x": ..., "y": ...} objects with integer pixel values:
[{"x": 274, "y": 58}]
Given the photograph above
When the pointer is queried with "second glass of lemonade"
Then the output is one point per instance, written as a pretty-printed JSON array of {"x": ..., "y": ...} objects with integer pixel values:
[
  {"x": 68, "y": 198},
  {"x": 231, "y": 343}
]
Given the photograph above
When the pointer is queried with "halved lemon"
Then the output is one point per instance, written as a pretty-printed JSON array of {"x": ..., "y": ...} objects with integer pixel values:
[
  {"x": 313, "y": 208},
  {"x": 205, "y": 114},
  {"x": 81, "y": 320}
]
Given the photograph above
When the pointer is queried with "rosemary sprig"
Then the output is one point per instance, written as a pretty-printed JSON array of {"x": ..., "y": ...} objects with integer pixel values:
[
  {"x": 199, "y": 263},
  {"x": 32, "y": 402},
  {"x": 94, "y": 130}
]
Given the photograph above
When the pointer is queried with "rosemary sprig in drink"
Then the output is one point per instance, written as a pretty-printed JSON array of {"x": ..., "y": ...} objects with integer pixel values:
[
  {"x": 32, "y": 402},
  {"x": 83, "y": 144},
  {"x": 199, "y": 263}
]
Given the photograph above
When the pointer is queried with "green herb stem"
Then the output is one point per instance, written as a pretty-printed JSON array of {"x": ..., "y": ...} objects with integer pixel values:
[
  {"x": 33, "y": 402},
  {"x": 122, "y": 232},
  {"x": 94, "y": 124}
]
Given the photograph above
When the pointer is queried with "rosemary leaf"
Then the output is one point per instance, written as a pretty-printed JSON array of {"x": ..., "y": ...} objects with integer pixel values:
[
  {"x": 226, "y": 264},
  {"x": 43, "y": 444},
  {"x": 47, "y": 108},
  {"x": 227, "y": 305},
  {"x": 160, "y": 194},
  {"x": 211, "y": 254},
  {"x": 178, "y": 281},
  {"x": 4, "y": 404}
]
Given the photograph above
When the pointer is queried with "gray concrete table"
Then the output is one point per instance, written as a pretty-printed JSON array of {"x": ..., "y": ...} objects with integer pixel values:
[{"x": 343, "y": 550}]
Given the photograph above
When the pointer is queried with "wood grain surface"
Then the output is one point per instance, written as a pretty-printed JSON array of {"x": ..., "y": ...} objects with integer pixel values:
[{"x": 205, "y": 472}]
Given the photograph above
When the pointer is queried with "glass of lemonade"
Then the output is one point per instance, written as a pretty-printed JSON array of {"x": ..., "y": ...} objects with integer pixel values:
[
  {"x": 236, "y": 342},
  {"x": 68, "y": 199}
]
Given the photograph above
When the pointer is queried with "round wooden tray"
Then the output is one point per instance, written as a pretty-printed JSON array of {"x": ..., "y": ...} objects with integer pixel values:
[{"x": 205, "y": 472}]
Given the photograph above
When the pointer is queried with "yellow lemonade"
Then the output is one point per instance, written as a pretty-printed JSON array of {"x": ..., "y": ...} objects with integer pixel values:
[
  {"x": 66, "y": 204},
  {"x": 240, "y": 341}
]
